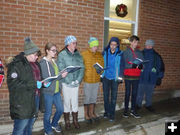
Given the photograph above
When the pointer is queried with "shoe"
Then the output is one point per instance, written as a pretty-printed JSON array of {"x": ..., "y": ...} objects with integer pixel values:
[
  {"x": 89, "y": 121},
  {"x": 135, "y": 114},
  {"x": 149, "y": 108},
  {"x": 106, "y": 116},
  {"x": 51, "y": 133},
  {"x": 111, "y": 120},
  {"x": 125, "y": 114},
  {"x": 57, "y": 128}
]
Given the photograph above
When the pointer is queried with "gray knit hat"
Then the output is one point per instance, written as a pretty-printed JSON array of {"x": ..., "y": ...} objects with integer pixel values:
[
  {"x": 150, "y": 42},
  {"x": 29, "y": 46}
]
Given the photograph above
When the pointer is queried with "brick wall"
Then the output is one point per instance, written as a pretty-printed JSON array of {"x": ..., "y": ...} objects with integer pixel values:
[
  {"x": 159, "y": 20},
  {"x": 45, "y": 21}
]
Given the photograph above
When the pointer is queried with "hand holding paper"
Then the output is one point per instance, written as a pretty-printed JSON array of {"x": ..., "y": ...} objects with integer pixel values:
[
  {"x": 47, "y": 84},
  {"x": 64, "y": 74}
]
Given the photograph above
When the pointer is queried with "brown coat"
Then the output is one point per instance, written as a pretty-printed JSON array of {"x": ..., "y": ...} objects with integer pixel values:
[{"x": 90, "y": 58}]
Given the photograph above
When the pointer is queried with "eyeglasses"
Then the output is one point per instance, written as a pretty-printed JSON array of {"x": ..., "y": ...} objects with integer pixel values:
[{"x": 54, "y": 51}]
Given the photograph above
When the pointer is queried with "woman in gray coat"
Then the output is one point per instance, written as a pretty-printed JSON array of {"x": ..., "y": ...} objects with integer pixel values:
[{"x": 52, "y": 93}]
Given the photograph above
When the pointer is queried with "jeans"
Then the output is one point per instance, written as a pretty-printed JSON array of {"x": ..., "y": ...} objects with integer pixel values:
[
  {"x": 49, "y": 101},
  {"x": 25, "y": 126},
  {"x": 147, "y": 90},
  {"x": 131, "y": 86},
  {"x": 110, "y": 98}
]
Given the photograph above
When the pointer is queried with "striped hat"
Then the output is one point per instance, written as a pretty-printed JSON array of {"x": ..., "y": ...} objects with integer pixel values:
[
  {"x": 93, "y": 42},
  {"x": 69, "y": 39}
]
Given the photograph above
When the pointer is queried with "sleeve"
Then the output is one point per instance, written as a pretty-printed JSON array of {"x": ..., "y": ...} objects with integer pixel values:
[
  {"x": 126, "y": 60},
  {"x": 60, "y": 62},
  {"x": 122, "y": 66},
  {"x": 44, "y": 69},
  {"x": 81, "y": 72},
  {"x": 101, "y": 60},
  {"x": 15, "y": 80},
  {"x": 160, "y": 65}
]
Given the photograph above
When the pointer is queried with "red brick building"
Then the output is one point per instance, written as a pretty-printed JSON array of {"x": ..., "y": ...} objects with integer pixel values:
[{"x": 52, "y": 20}]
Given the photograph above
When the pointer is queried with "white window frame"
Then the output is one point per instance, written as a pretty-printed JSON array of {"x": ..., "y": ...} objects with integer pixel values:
[{"x": 135, "y": 31}]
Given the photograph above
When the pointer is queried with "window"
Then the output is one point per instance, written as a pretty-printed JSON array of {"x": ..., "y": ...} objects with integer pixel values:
[{"x": 121, "y": 27}]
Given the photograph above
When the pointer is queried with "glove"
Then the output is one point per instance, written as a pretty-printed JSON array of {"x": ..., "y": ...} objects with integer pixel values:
[
  {"x": 140, "y": 66},
  {"x": 120, "y": 80},
  {"x": 134, "y": 65},
  {"x": 74, "y": 83},
  {"x": 47, "y": 84},
  {"x": 39, "y": 84},
  {"x": 158, "y": 82}
]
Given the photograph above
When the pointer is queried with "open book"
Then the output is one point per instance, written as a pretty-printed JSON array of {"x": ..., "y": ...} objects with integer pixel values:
[
  {"x": 98, "y": 67},
  {"x": 69, "y": 69},
  {"x": 139, "y": 61}
]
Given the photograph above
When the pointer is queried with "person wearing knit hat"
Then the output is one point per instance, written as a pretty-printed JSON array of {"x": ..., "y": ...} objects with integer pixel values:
[
  {"x": 29, "y": 46},
  {"x": 24, "y": 83},
  {"x": 69, "y": 39},
  {"x": 70, "y": 56},
  {"x": 93, "y": 42},
  {"x": 91, "y": 78},
  {"x": 111, "y": 76},
  {"x": 149, "y": 42},
  {"x": 151, "y": 75}
]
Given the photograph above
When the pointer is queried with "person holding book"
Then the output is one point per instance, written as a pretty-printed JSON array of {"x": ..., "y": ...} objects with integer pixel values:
[
  {"x": 52, "y": 94},
  {"x": 91, "y": 78},
  {"x": 24, "y": 83},
  {"x": 111, "y": 76},
  {"x": 131, "y": 73},
  {"x": 151, "y": 75},
  {"x": 70, "y": 56}
]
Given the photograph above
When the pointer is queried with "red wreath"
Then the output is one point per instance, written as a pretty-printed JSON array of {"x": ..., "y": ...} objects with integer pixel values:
[{"x": 121, "y": 10}]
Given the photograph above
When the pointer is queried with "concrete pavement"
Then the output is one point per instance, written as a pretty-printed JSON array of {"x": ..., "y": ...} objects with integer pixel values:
[{"x": 166, "y": 107}]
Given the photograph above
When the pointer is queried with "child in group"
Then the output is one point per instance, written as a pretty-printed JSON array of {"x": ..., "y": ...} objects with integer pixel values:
[{"x": 131, "y": 73}]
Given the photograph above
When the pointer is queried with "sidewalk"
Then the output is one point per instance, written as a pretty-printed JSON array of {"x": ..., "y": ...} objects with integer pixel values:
[{"x": 166, "y": 108}]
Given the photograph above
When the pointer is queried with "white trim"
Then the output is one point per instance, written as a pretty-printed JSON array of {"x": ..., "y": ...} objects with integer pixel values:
[
  {"x": 137, "y": 15},
  {"x": 119, "y": 20},
  {"x": 135, "y": 31}
]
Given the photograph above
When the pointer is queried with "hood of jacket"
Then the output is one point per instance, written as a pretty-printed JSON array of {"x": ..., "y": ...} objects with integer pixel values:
[{"x": 115, "y": 39}]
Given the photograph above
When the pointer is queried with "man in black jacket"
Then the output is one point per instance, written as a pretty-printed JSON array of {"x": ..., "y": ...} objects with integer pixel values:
[{"x": 23, "y": 79}]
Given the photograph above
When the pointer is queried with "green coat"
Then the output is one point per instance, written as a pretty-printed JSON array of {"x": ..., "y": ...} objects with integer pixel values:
[
  {"x": 66, "y": 58},
  {"x": 22, "y": 87}
]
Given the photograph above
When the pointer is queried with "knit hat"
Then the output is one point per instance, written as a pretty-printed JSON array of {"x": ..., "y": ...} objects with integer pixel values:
[
  {"x": 93, "y": 42},
  {"x": 69, "y": 39},
  {"x": 29, "y": 46},
  {"x": 150, "y": 42}
]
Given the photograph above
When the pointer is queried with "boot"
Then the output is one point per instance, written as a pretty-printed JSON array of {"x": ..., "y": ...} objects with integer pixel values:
[
  {"x": 86, "y": 113},
  {"x": 75, "y": 120},
  {"x": 67, "y": 121}
]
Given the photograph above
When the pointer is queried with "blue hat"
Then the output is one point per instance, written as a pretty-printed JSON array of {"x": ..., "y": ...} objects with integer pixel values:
[
  {"x": 69, "y": 39},
  {"x": 93, "y": 42},
  {"x": 150, "y": 42}
]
